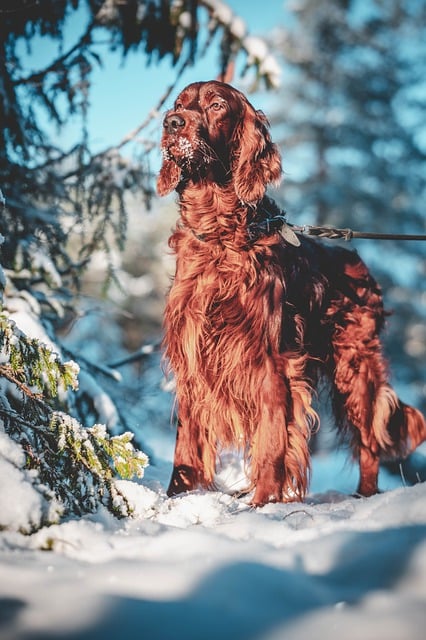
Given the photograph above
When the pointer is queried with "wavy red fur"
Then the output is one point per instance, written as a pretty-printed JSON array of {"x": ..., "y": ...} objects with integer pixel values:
[{"x": 252, "y": 322}]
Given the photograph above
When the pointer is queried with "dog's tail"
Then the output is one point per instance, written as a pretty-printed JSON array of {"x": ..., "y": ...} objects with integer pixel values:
[
  {"x": 415, "y": 427},
  {"x": 406, "y": 430}
]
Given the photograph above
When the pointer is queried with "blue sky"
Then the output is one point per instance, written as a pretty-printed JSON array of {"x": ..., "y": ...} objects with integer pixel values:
[{"x": 122, "y": 94}]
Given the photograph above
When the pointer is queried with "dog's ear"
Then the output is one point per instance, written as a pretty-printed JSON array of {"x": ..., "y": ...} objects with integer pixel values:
[
  {"x": 255, "y": 159},
  {"x": 168, "y": 178}
]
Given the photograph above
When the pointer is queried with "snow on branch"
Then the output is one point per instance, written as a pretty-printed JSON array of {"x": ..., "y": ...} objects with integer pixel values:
[{"x": 258, "y": 54}]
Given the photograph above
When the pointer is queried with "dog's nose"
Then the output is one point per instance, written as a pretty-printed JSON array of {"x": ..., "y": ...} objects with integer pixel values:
[{"x": 173, "y": 123}]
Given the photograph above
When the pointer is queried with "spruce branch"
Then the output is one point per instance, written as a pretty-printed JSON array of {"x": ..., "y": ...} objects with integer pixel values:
[{"x": 78, "y": 465}]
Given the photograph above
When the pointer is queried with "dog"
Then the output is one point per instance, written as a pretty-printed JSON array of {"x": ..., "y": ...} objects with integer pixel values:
[{"x": 255, "y": 319}]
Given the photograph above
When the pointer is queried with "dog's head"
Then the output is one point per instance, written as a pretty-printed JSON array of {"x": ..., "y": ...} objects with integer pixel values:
[{"x": 214, "y": 133}]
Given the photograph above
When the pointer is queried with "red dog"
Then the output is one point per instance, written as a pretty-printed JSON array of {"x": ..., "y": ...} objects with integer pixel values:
[{"x": 252, "y": 320}]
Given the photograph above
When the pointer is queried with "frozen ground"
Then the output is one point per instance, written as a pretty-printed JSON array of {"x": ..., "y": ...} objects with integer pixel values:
[{"x": 207, "y": 566}]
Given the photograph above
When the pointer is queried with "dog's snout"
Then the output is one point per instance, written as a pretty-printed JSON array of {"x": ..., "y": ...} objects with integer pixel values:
[{"x": 173, "y": 123}]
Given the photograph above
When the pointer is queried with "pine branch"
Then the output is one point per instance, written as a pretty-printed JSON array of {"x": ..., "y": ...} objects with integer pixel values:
[{"x": 38, "y": 76}]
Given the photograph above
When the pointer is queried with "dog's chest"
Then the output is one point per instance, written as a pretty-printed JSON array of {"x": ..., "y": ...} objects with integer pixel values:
[{"x": 222, "y": 308}]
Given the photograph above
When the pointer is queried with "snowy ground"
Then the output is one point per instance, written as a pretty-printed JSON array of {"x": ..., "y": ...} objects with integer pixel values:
[{"x": 207, "y": 566}]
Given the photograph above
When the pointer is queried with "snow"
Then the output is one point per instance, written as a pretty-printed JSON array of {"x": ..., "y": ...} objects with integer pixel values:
[
  {"x": 22, "y": 507},
  {"x": 207, "y": 565},
  {"x": 26, "y": 504}
]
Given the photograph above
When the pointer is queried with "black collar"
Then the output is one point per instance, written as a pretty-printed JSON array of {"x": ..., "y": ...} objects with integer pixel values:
[{"x": 270, "y": 219}]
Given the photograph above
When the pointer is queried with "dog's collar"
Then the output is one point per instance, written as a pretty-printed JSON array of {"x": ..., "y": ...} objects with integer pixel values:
[
  {"x": 269, "y": 226},
  {"x": 270, "y": 219}
]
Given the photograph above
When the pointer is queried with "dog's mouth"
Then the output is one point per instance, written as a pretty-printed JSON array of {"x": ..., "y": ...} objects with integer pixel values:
[
  {"x": 192, "y": 156},
  {"x": 180, "y": 150}
]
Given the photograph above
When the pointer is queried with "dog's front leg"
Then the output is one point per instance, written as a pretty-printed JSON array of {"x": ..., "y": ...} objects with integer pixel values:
[
  {"x": 194, "y": 458},
  {"x": 270, "y": 440},
  {"x": 186, "y": 465}
]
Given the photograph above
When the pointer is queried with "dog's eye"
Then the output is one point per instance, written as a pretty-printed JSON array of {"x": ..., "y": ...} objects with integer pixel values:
[
  {"x": 216, "y": 106},
  {"x": 178, "y": 106}
]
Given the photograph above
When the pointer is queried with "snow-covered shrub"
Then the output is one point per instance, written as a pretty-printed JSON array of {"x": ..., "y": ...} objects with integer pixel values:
[{"x": 49, "y": 461}]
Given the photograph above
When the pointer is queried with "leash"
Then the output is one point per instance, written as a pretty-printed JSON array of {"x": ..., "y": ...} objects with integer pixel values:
[
  {"x": 278, "y": 222},
  {"x": 348, "y": 234}
]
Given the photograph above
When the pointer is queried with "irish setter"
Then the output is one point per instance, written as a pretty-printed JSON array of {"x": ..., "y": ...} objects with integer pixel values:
[{"x": 253, "y": 319}]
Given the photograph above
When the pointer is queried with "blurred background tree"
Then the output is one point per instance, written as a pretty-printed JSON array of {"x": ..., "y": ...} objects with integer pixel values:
[{"x": 351, "y": 125}]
